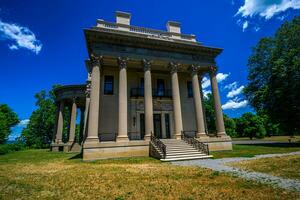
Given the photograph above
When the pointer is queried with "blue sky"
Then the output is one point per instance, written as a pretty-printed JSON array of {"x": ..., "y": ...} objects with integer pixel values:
[{"x": 42, "y": 42}]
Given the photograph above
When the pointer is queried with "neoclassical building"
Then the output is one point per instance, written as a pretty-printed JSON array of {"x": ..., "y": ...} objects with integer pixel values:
[{"x": 143, "y": 95}]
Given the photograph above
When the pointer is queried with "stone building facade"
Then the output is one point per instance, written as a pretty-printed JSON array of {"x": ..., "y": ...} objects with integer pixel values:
[{"x": 141, "y": 82}]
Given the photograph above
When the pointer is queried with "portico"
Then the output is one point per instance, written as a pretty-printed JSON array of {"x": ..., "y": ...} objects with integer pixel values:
[{"x": 144, "y": 84}]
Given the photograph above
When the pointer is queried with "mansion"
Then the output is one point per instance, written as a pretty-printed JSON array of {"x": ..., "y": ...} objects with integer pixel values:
[{"x": 142, "y": 97}]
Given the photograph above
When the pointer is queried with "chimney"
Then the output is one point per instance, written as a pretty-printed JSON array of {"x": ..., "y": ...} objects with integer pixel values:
[
  {"x": 173, "y": 27},
  {"x": 123, "y": 18}
]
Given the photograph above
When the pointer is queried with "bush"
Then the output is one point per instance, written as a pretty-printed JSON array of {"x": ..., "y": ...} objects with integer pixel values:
[{"x": 7, "y": 148}]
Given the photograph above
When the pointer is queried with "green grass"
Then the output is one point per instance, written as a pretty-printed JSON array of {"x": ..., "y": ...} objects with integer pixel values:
[
  {"x": 285, "y": 166},
  {"x": 272, "y": 138},
  {"x": 252, "y": 150},
  {"x": 40, "y": 174}
]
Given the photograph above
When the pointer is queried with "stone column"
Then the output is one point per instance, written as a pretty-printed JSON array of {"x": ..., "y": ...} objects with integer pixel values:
[
  {"x": 176, "y": 100},
  {"x": 73, "y": 122},
  {"x": 93, "y": 120},
  {"x": 217, "y": 103},
  {"x": 60, "y": 123},
  {"x": 202, "y": 99},
  {"x": 148, "y": 103},
  {"x": 122, "y": 129},
  {"x": 197, "y": 103}
]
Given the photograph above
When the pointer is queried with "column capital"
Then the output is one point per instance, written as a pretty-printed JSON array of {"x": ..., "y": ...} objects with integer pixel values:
[
  {"x": 194, "y": 69},
  {"x": 213, "y": 70},
  {"x": 96, "y": 60},
  {"x": 173, "y": 66},
  {"x": 122, "y": 61},
  {"x": 147, "y": 64}
]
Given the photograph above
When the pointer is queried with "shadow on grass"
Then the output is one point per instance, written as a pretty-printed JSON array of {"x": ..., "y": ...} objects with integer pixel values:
[{"x": 77, "y": 156}]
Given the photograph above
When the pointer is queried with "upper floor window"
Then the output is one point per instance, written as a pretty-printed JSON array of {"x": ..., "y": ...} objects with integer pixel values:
[
  {"x": 160, "y": 87},
  {"x": 108, "y": 85},
  {"x": 190, "y": 89}
]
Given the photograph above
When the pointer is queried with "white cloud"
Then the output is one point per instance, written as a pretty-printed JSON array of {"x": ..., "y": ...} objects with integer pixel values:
[
  {"x": 266, "y": 8},
  {"x": 257, "y": 28},
  {"x": 21, "y": 36},
  {"x": 245, "y": 25},
  {"x": 232, "y": 104},
  {"x": 235, "y": 91},
  {"x": 23, "y": 122},
  {"x": 220, "y": 77},
  {"x": 231, "y": 85}
]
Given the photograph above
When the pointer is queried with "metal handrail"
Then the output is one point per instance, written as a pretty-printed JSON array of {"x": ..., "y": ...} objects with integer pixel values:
[
  {"x": 200, "y": 146},
  {"x": 159, "y": 144}
]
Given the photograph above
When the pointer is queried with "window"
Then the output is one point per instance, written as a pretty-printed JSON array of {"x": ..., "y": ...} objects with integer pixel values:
[
  {"x": 108, "y": 85},
  {"x": 190, "y": 89},
  {"x": 160, "y": 87}
]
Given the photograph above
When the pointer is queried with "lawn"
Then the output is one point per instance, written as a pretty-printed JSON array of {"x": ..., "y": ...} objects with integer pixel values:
[
  {"x": 252, "y": 150},
  {"x": 39, "y": 174},
  {"x": 273, "y": 138},
  {"x": 287, "y": 167}
]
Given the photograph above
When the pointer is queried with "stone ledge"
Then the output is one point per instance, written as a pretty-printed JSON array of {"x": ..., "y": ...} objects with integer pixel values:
[{"x": 87, "y": 145}]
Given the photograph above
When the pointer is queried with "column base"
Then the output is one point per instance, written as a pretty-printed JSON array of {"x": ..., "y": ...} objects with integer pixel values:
[
  {"x": 122, "y": 139},
  {"x": 147, "y": 137},
  {"x": 221, "y": 134},
  {"x": 58, "y": 141},
  {"x": 178, "y": 136},
  {"x": 201, "y": 135},
  {"x": 91, "y": 140}
]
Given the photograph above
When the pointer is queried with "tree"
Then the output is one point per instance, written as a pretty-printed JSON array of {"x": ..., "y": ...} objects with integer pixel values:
[
  {"x": 230, "y": 126},
  {"x": 274, "y": 77},
  {"x": 250, "y": 125},
  {"x": 39, "y": 131},
  {"x": 8, "y": 119}
]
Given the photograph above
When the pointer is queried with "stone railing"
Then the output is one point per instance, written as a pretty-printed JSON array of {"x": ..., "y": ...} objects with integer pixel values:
[
  {"x": 151, "y": 33},
  {"x": 159, "y": 144}
]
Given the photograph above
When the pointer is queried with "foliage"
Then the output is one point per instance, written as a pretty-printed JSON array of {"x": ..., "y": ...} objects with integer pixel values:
[
  {"x": 8, "y": 119},
  {"x": 274, "y": 77},
  {"x": 250, "y": 125},
  {"x": 230, "y": 126},
  {"x": 7, "y": 148},
  {"x": 39, "y": 131}
]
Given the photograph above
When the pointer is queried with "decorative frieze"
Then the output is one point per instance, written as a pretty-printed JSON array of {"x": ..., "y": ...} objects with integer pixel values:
[{"x": 157, "y": 105}]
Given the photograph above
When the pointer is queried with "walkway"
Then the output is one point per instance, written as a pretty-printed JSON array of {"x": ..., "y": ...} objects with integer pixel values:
[{"x": 220, "y": 165}]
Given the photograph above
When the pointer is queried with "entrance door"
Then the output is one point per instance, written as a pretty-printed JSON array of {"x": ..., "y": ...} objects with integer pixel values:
[
  {"x": 142, "y": 125},
  {"x": 157, "y": 125},
  {"x": 167, "y": 124}
]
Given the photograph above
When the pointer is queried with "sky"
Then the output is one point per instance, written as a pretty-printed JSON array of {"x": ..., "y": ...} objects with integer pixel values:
[{"x": 42, "y": 42}]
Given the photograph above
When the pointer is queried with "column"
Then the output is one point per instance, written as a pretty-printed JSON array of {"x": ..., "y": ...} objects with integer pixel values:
[
  {"x": 176, "y": 100},
  {"x": 202, "y": 99},
  {"x": 93, "y": 120},
  {"x": 148, "y": 103},
  {"x": 217, "y": 103},
  {"x": 198, "y": 103},
  {"x": 122, "y": 129},
  {"x": 73, "y": 122},
  {"x": 60, "y": 123}
]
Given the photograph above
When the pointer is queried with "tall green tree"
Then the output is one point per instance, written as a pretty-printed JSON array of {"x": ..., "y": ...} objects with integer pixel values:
[
  {"x": 250, "y": 125},
  {"x": 39, "y": 131},
  {"x": 274, "y": 77},
  {"x": 8, "y": 119}
]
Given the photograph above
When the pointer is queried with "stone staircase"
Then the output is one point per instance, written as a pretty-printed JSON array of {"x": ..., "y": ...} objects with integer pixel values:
[{"x": 177, "y": 150}]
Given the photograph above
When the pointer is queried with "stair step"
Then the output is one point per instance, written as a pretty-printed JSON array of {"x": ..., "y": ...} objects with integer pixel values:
[
  {"x": 183, "y": 153},
  {"x": 186, "y": 158}
]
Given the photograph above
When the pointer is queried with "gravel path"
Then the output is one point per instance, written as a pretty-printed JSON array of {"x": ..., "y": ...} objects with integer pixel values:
[{"x": 220, "y": 165}]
